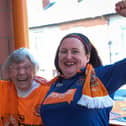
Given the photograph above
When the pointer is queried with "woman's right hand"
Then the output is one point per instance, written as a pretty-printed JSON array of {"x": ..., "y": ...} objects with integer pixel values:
[{"x": 4, "y": 73}]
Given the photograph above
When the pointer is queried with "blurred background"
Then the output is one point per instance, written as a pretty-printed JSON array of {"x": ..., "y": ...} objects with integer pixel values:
[{"x": 50, "y": 20}]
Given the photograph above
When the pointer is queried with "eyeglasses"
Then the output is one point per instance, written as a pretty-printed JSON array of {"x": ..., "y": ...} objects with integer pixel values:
[{"x": 18, "y": 68}]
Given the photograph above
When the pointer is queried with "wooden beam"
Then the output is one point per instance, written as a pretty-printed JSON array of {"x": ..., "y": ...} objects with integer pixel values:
[{"x": 20, "y": 23}]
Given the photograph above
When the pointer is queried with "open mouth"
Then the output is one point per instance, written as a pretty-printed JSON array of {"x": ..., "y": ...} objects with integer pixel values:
[
  {"x": 69, "y": 64},
  {"x": 23, "y": 79}
]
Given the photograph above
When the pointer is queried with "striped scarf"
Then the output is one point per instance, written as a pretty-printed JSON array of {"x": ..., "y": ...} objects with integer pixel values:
[{"x": 94, "y": 93}]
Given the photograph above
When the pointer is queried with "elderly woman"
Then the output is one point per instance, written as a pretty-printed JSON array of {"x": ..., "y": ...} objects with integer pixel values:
[
  {"x": 82, "y": 93},
  {"x": 21, "y": 97}
]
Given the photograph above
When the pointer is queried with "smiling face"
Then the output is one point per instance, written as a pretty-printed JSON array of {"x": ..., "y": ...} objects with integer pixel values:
[
  {"x": 72, "y": 56},
  {"x": 22, "y": 74}
]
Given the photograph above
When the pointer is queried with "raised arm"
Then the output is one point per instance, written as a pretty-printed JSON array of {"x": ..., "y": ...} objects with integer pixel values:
[{"x": 4, "y": 73}]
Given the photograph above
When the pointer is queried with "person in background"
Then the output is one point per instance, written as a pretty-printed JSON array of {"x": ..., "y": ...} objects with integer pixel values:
[
  {"x": 21, "y": 91},
  {"x": 82, "y": 93}
]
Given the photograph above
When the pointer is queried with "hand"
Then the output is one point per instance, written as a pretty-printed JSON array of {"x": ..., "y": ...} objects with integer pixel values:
[
  {"x": 120, "y": 8},
  {"x": 4, "y": 73}
]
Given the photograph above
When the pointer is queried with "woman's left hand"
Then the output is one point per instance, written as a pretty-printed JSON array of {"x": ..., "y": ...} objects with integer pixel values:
[{"x": 120, "y": 8}]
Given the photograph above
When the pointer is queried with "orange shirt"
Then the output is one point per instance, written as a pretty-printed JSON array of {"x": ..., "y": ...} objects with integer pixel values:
[
  {"x": 29, "y": 106},
  {"x": 18, "y": 110}
]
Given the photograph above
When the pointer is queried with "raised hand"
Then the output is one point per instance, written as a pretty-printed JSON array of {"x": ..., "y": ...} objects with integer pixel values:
[{"x": 120, "y": 8}]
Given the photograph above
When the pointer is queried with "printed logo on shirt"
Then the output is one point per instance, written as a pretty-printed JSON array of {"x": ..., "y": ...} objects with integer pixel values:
[
  {"x": 56, "y": 97},
  {"x": 9, "y": 120},
  {"x": 80, "y": 81},
  {"x": 21, "y": 118},
  {"x": 21, "y": 122}
]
